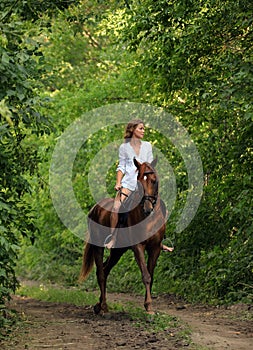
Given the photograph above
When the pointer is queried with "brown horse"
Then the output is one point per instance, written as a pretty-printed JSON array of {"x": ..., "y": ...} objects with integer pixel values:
[{"x": 141, "y": 227}]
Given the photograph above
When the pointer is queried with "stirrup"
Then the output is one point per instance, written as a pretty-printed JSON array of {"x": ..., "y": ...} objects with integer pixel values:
[
  {"x": 171, "y": 244},
  {"x": 108, "y": 239}
]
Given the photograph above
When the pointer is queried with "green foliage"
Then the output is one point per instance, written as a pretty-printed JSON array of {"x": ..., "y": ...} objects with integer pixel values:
[
  {"x": 193, "y": 58},
  {"x": 32, "y": 9},
  {"x": 200, "y": 57},
  {"x": 19, "y": 120}
]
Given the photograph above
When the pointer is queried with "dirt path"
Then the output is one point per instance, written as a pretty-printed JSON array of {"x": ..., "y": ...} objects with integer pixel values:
[{"x": 63, "y": 326}]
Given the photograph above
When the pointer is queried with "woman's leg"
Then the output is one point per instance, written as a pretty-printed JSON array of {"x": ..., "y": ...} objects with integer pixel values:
[{"x": 120, "y": 197}]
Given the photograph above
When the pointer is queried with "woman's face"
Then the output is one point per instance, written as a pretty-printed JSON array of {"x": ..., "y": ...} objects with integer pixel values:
[{"x": 139, "y": 131}]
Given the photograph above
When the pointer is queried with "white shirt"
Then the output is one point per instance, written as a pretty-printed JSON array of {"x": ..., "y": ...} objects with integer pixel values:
[{"x": 126, "y": 163}]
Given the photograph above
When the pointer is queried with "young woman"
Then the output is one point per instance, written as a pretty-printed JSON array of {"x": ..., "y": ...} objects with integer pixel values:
[{"x": 126, "y": 175}]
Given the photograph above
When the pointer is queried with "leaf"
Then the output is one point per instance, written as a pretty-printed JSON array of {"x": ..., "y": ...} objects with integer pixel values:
[{"x": 5, "y": 58}]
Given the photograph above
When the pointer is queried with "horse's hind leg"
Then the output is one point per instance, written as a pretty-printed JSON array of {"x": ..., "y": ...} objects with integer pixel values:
[
  {"x": 100, "y": 307},
  {"x": 103, "y": 270}
]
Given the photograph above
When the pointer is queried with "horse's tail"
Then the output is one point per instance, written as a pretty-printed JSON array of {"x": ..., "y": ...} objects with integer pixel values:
[{"x": 88, "y": 261}]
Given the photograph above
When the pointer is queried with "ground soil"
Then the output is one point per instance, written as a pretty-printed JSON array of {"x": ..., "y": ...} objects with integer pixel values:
[{"x": 64, "y": 326}]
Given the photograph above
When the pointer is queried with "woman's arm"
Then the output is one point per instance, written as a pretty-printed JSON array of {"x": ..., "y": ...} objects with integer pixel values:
[
  {"x": 150, "y": 156},
  {"x": 119, "y": 176},
  {"x": 121, "y": 167}
]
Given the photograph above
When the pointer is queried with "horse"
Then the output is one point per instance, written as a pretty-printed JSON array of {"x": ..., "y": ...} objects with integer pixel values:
[{"x": 141, "y": 228}]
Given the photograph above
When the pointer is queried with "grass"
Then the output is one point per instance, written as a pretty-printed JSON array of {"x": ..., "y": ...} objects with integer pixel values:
[{"x": 50, "y": 293}]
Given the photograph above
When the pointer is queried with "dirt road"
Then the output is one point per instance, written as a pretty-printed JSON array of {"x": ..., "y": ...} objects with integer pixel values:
[{"x": 63, "y": 326}]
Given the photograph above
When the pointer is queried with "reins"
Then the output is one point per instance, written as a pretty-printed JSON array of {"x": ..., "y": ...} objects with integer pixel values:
[
  {"x": 151, "y": 199},
  {"x": 120, "y": 193},
  {"x": 146, "y": 197}
]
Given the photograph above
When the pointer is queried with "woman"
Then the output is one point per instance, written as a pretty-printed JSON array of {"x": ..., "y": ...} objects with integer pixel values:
[{"x": 126, "y": 174}]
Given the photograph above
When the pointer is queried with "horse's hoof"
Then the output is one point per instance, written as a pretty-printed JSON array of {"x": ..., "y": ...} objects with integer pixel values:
[
  {"x": 148, "y": 308},
  {"x": 100, "y": 309},
  {"x": 150, "y": 312},
  {"x": 97, "y": 308}
]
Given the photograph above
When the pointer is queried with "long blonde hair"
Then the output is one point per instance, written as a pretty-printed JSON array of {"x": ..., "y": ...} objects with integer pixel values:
[{"x": 131, "y": 126}]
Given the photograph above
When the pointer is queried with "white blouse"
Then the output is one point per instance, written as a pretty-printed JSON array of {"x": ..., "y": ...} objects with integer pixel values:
[{"x": 126, "y": 163}]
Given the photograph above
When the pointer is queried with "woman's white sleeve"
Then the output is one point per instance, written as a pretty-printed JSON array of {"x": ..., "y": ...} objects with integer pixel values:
[
  {"x": 122, "y": 160},
  {"x": 150, "y": 156}
]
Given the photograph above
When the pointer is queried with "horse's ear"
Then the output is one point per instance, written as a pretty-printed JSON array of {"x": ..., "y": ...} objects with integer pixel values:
[
  {"x": 136, "y": 163},
  {"x": 154, "y": 162}
]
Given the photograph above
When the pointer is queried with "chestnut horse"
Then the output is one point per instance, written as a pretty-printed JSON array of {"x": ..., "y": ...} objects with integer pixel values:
[{"x": 141, "y": 227}]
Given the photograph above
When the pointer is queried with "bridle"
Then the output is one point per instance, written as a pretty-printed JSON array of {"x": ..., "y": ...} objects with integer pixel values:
[
  {"x": 151, "y": 199},
  {"x": 147, "y": 197},
  {"x": 142, "y": 199}
]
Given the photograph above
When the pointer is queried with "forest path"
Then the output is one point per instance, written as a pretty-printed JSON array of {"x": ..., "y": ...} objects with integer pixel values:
[{"x": 64, "y": 326}]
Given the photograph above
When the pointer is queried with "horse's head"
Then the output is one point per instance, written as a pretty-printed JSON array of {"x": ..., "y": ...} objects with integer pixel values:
[{"x": 148, "y": 179}]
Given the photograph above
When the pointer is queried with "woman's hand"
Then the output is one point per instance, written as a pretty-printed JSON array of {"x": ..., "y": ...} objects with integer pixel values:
[{"x": 117, "y": 187}]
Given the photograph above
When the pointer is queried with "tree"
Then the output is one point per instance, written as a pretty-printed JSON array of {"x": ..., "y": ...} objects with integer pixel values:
[
  {"x": 195, "y": 59},
  {"x": 19, "y": 119}
]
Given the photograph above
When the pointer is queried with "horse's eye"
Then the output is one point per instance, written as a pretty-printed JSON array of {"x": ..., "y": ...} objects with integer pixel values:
[{"x": 145, "y": 177}]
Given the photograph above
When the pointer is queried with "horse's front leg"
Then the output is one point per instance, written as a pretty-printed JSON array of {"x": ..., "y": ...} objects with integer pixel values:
[
  {"x": 146, "y": 278},
  {"x": 100, "y": 307},
  {"x": 115, "y": 255},
  {"x": 153, "y": 255}
]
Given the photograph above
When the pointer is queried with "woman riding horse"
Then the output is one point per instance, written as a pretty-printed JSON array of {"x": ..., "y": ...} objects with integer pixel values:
[
  {"x": 142, "y": 229},
  {"x": 126, "y": 174}
]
